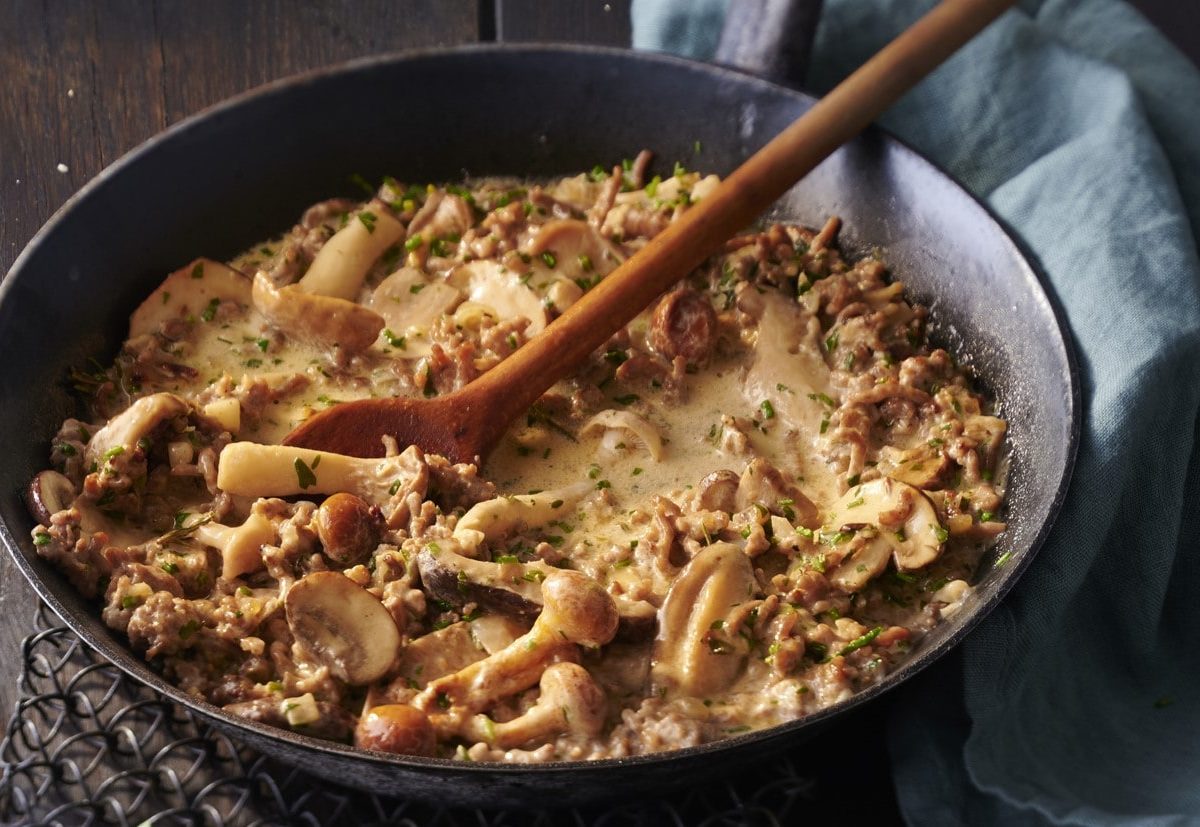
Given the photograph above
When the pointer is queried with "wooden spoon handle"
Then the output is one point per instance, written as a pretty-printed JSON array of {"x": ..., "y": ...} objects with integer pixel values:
[{"x": 734, "y": 205}]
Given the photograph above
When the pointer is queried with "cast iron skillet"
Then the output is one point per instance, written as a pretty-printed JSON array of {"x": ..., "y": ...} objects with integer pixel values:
[{"x": 245, "y": 170}]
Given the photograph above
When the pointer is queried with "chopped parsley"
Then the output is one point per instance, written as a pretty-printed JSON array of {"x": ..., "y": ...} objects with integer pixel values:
[
  {"x": 394, "y": 340},
  {"x": 413, "y": 243},
  {"x": 549, "y": 259},
  {"x": 768, "y": 410},
  {"x": 198, "y": 270},
  {"x": 210, "y": 311},
  {"x": 368, "y": 220},
  {"x": 41, "y": 539},
  {"x": 860, "y": 642},
  {"x": 305, "y": 477}
]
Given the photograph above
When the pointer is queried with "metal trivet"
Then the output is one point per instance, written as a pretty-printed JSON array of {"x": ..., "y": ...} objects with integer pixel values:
[{"x": 87, "y": 745}]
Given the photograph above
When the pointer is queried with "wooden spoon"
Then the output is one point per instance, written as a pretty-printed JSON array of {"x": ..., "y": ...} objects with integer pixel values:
[{"x": 466, "y": 425}]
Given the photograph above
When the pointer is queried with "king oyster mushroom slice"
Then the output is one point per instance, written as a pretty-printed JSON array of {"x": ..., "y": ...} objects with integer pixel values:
[
  {"x": 713, "y": 582},
  {"x": 343, "y": 626},
  {"x": 254, "y": 470},
  {"x": 501, "y": 516},
  {"x": 510, "y": 588},
  {"x": 570, "y": 702},
  {"x": 188, "y": 292},
  {"x": 903, "y": 515},
  {"x": 492, "y": 285},
  {"x": 409, "y": 303},
  {"x": 325, "y": 321}
]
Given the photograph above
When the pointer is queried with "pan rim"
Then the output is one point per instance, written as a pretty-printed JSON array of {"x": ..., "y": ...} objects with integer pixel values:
[{"x": 121, "y": 656}]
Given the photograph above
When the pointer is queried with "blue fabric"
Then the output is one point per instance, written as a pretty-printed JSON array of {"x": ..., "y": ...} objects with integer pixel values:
[{"x": 1078, "y": 700}]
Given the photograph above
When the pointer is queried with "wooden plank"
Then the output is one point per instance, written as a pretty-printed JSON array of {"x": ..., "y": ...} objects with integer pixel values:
[
  {"x": 566, "y": 21},
  {"x": 96, "y": 79}
]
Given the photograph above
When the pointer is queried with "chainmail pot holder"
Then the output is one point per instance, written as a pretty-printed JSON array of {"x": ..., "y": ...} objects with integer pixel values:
[{"x": 87, "y": 745}]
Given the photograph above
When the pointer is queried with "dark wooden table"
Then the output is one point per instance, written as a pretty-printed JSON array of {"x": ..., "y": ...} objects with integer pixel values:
[{"x": 84, "y": 83}]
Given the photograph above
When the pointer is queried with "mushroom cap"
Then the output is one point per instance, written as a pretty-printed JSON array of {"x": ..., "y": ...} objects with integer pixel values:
[
  {"x": 343, "y": 626},
  {"x": 322, "y": 320},
  {"x": 396, "y": 728},
  {"x": 578, "y": 608},
  {"x": 570, "y": 688}
]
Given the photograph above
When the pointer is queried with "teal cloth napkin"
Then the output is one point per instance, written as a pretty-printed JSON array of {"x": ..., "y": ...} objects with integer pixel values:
[{"x": 1078, "y": 700}]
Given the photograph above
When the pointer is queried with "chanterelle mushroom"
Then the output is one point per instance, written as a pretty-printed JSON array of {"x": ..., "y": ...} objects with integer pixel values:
[
  {"x": 343, "y": 626},
  {"x": 576, "y": 609},
  {"x": 570, "y": 701}
]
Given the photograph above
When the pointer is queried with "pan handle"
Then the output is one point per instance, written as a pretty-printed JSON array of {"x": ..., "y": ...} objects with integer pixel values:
[{"x": 771, "y": 38}]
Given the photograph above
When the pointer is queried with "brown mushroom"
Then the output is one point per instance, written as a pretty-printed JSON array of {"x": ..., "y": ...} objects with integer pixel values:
[
  {"x": 49, "y": 492},
  {"x": 684, "y": 324},
  {"x": 343, "y": 626},
  {"x": 396, "y": 728},
  {"x": 570, "y": 701},
  {"x": 576, "y": 610}
]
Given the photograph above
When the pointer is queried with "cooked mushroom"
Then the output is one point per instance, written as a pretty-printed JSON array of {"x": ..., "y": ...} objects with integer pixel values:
[
  {"x": 718, "y": 491},
  {"x": 326, "y": 321},
  {"x": 570, "y": 701},
  {"x": 688, "y": 657},
  {"x": 763, "y": 484},
  {"x": 579, "y": 251},
  {"x": 349, "y": 529},
  {"x": 342, "y": 263},
  {"x": 501, "y": 516},
  {"x": 618, "y": 426},
  {"x": 255, "y": 470},
  {"x": 241, "y": 546},
  {"x": 443, "y": 215},
  {"x": 491, "y": 284},
  {"x": 49, "y": 493},
  {"x": 343, "y": 626},
  {"x": 510, "y": 588},
  {"x": 684, "y": 324},
  {"x": 905, "y": 517},
  {"x": 188, "y": 292},
  {"x": 576, "y": 609},
  {"x": 123, "y": 431},
  {"x": 409, "y": 303},
  {"x": 396, "y": 728}
]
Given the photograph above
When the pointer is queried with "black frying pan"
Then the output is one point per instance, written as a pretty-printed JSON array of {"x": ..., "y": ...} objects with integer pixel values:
[{"x": 243, "y": 171}]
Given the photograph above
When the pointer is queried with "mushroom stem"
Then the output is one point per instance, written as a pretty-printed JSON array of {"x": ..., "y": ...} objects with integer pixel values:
[
  {"x": 576, "y": 610},
  {"x": 570, "y": 701},
  {"x": 255, "y": 470}
]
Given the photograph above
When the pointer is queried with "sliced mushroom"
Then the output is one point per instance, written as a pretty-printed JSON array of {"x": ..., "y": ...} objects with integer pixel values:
[
  {"x": 442, "y": 215},
  {"x": 439, "y": 653},
  {"x": 763, "y": 484},
  {"x": 922, "y": 467},
  {"x": 342, "y": 263},
  {"x": 49, "y": 493},
  {"x": 343, "y": 626},
  {"x": 241, "y": 546},
  {"x": 325, "y": 321},
  {"x": 904, "y": 516},
  {"x": 687, "y": 658},
  {"x": 579, "y": 251},
  {"x": 576, "y": 610},
  {"x": 865, "y": 561},
  {"x": 124, "y": 431},
  {"x": 788, "y": 369},
  {"x": 614, "y": 422},
  {"x": 254, "y": 470},
  {"x": 570, "y": 701},
  {"x": 409, "y": 303},
  {"x": 491, "y": 284},
  {"x": 502, "y": 516},
  {"x": 188, "y": 292}
]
